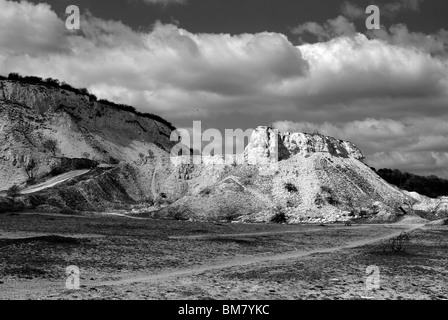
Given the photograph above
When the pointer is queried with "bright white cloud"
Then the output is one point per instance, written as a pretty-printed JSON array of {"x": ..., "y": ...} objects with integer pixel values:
[
  {"x": 351, "y": 68},
  {"x": 349, "y": 79},
  {"x": 30, "y": 29}
]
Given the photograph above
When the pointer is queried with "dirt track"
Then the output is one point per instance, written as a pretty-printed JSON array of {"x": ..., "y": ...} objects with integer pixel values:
[
  {"x": 54, "y": 181},
  {"x": 123, "y": 258},
  {"x": 255, "y": 259}
]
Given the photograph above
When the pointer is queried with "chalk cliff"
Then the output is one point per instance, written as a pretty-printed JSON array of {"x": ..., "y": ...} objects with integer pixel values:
[
  {"x": 287, "y": 176},
  {"x": 82, "y": 128}
]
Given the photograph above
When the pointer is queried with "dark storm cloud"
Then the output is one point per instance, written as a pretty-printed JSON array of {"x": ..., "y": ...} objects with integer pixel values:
[
  {"x": 389, "y": 9},
  {"x": 165, "y": 2}
]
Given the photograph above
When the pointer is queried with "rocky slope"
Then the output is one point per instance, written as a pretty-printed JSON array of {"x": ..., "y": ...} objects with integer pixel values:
[
  {"x": 86, "y": 133},
  {"x": 429, "y": 208},
  {"x": 286, "y": 177},
  {"x": 289, "y": 177},
  {"x": 82, "y": 128}
]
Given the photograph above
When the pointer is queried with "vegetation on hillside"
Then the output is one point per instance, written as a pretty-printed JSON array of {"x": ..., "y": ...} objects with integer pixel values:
[
  {"x": 430, "y": 186},
  {"x": 13, "y": 192},
  {"x": 53, "y": 83},
  {"x": 51, "y": 145}
]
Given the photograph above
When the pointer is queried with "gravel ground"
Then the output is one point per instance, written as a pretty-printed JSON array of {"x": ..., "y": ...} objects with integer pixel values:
[{"x": 121, "y": 258}]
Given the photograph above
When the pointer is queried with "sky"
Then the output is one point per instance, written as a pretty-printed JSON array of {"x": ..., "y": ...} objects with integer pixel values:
[{"x": 309, "y": 65}]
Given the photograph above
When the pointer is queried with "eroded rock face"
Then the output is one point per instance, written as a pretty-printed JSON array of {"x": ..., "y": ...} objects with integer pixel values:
[
  {"x": 82, "y": 128},
  {"x": 433, "y": 208},
  {"x": 293, "y": 177},
  {"x": 77, "y": 112},
  {"x": 270, "y": 144},
  {"x": 263, "y": 145}
]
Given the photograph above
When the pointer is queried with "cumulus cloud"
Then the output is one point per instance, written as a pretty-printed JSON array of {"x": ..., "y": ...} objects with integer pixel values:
[
  {"x": 396, "y": 34},
  {"x": 168, "y": 68},
  {"x": 339, "y": 26},
  {"x": 30, "y": 29},
  {"x": 357, "y": 82},
  {"x": 399, "y": 34},
  {"x": 348, "y": 69}
]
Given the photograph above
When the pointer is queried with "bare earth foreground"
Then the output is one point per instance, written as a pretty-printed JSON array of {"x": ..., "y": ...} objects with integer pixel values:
[{"x": 121, "y": 258}]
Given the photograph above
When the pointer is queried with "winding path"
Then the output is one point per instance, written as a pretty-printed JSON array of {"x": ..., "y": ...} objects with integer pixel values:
[
  {"x": 91, "y": 216},
  {"x": 260, "y": 234},
  {"x": 250, "y": 260},
  {"x": 54, "y": 181}
]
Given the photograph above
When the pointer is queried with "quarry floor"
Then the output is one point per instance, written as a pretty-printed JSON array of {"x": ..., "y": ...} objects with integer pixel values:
[{"x": 121, "y": 258}]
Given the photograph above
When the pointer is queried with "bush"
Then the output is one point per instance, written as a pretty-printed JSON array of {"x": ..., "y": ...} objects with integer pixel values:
[
  {"x": 290, "y": 187},
  {"x": 113, "y": 161},
  {"x": 66, "y": 86},
  {"x": 14, "y": 76},
  {"x": 279, "y": 215},
  {"x": 13, "y": 192},
  {"x": 52, "y": 82},
  {"x": 128, "y": 108},
  {"x": 179, "y": 216},
  {"x": 31, "y": 171},
  {"x": 84, "y": 91},
  {"x": 246, "y": 181},
  {"x": 142, "y": 157},
  {"x": 32, "y": 80},
  {"x": 25, "y": 129},
  {"x": 398, "y": 244},
  {"x": 51, "y": 145},
  {"x": 206, "y": 191}
]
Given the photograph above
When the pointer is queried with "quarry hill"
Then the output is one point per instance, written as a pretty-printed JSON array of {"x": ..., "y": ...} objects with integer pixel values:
[
  {"x": 311, "y": 178},
  {"x": 67, "y": 152},
  {"x": 82, "y": 128}
]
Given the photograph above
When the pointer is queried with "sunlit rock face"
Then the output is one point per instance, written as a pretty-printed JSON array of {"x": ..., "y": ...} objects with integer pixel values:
[
  {"x": 268, "y": 143},
  {"x": 82, "y": 127},
  {"x": 291, "y": 177}
]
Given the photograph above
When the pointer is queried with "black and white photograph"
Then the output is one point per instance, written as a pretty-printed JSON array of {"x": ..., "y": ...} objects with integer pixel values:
[{"x": 235, "y": 151}]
